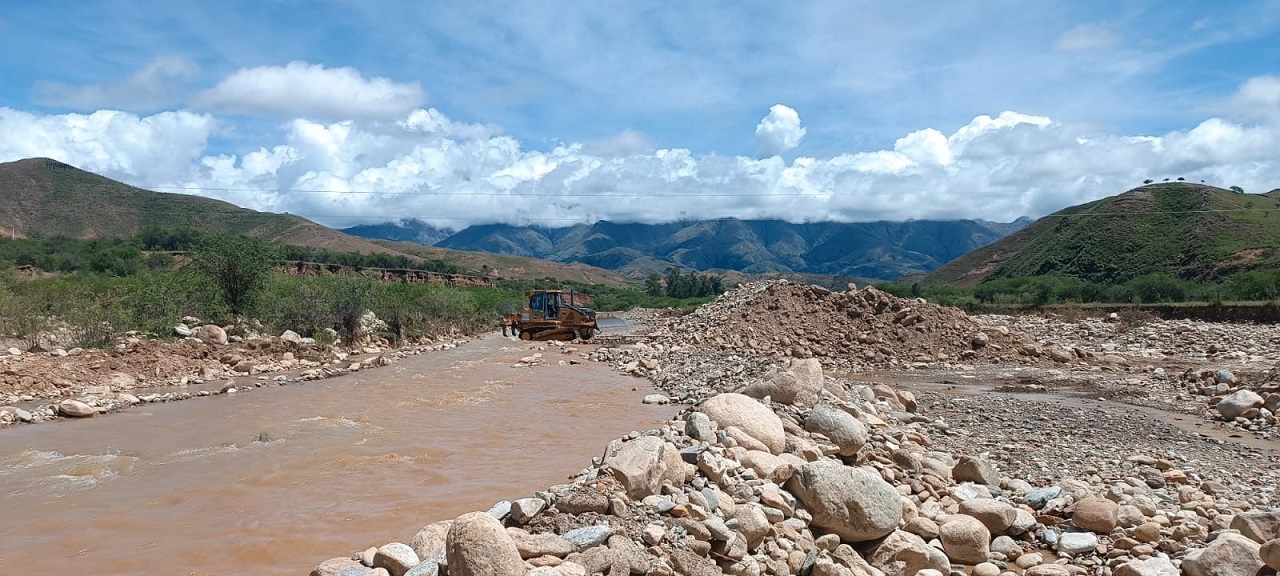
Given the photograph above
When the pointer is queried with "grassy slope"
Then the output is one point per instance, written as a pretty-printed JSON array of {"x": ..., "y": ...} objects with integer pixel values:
[
  {"x": 1176, "y": 228},
  {"x": 44, "y": 197}
]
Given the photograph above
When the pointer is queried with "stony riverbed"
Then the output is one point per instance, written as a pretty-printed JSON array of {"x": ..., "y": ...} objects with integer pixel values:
[{"x": 855, "y": 433}]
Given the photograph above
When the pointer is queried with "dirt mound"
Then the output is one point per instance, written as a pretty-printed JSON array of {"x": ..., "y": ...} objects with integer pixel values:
[
  {"x": 851, "y": 329},
  {"x": 737, "y": 339}
]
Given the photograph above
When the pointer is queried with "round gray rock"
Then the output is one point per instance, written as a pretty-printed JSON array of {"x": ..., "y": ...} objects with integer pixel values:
[
  {"x": 853, "y": 503},
  {"x": 845, "y": 431},
  {"x": 1237, "y": 403}
]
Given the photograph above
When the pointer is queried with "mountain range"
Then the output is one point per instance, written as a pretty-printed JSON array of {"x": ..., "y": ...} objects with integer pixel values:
[
  {"x": 1192, "y": 231},
  {"x": 875, "y": 250}
]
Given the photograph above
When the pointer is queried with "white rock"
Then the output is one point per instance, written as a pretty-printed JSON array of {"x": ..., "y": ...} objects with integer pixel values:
[
  {"x": 749, "y": 416},
  {"x": 1076, "y": 543}
]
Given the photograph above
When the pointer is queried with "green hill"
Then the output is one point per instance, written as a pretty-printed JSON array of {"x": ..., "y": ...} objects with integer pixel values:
[
  {"x": 1190, "y": 231},
  {"x": 40, "y": 197},
  {"x": 43, "y": 197}
]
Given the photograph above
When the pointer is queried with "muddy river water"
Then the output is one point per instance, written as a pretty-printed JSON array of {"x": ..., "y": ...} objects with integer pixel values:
[{"x": 349, "y": 462}]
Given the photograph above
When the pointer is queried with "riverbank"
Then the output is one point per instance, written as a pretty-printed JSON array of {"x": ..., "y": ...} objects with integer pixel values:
[
  {"x": 789, "y": 463},
  {"x": 79, "y": 383},
  {"x": 265, "y": 481}
]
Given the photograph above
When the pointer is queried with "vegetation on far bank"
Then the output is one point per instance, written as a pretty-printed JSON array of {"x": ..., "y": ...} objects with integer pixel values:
[
  {"x": 101, "y": 289},
  {"x": 1156, "y": 288},
  {"x": 690, "y": 290},
  {"x": 105, "y": 288}
]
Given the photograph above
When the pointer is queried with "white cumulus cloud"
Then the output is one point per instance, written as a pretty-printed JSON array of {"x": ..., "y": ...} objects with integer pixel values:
[
  {"x": 428, "y": 166},
  {"x": 117, "y": 144},
  {"x": 300, "y": 89},
  {"x": 1258, "y": 98},
  {"x": 779, "y": 131}
]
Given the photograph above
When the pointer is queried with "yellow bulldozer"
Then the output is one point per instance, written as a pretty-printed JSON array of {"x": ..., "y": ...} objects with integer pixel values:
[{"x": 549, "y": 317}]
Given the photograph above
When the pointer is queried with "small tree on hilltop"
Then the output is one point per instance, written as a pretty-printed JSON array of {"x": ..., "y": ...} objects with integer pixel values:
[
  {"x": 237, "y": 265},
  {"x": 1237, "y": 189}
]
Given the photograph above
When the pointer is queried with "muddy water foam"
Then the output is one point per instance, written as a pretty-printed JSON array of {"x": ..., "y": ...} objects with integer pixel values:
[{"x": 365, "y": 459}]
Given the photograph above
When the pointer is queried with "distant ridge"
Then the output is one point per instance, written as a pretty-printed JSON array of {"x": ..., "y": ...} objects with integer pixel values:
[{"x": 879, "y": 250}]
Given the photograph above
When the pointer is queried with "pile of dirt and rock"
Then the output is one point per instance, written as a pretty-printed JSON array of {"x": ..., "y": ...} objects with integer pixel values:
[
  {"x": 866, "y": 327},
  {"x": 829, "y": 477},
  {"x": 753, "y": 329}
]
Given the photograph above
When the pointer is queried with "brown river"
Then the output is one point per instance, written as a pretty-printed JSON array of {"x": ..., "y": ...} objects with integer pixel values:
[{"x": 350, "y": 462}]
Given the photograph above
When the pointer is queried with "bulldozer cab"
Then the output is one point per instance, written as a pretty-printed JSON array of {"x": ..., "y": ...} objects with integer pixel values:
[{"x": 545, "y": 305}]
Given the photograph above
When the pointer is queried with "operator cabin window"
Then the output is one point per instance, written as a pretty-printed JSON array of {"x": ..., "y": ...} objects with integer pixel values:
[{"x": 535, "y": 304}]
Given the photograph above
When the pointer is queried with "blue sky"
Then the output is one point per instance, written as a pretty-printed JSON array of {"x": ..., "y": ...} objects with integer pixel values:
[{"x": 515, "y": 111}]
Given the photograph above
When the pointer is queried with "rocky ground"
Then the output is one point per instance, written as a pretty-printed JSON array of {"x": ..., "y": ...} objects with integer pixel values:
[
  {"x": 200, "y": 360},
  {"x": 843, "y": 433},
  {"x": 855, "y": 433}
]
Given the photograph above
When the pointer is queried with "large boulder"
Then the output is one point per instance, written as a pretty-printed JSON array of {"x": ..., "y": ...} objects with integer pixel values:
[
  {"x": 853, "y": 503},
  {"x": 1096, "y": 515},
  {"x": 210, "y": 334},
  {"x": 1257, "y": 526},
  {"x": 336, "y": 566},
  {"x": 546, "y": 544},
  {"x": 976, "y": 470},
  {"x": 1236, "y": 403},
  {"x": 76, "y": 409},
  {"x": 1228, "y": 555},
  {"x": 643, "y": 464},
  {"x": 799, "y": 385},
  {"x": 909, "y": 549},
  {"x": 395, "y": 558},
  {"x": 749, "y": 416},
  {"x": 845, "y": 431},
  {"x": 429, "y": 543},
  {"x": 478, "y": 545},
  {"x": 997, "y": 516},
  {"x": 1270, "y": 553},
  {"x": 965, "y": 539}
]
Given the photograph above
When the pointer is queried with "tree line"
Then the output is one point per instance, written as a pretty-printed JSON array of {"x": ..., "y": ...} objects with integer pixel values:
[
  {"x": 154, "y": 249},
  {"x": 678, "y": 285},
  {"x": 1155, "y": 288}
]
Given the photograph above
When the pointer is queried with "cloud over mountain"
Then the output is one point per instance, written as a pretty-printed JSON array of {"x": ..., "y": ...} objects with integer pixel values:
[
  {"x": 391, "y": 162},
  {"x": 308, "y": 90},
  {"x": 779, "y": 131}
]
